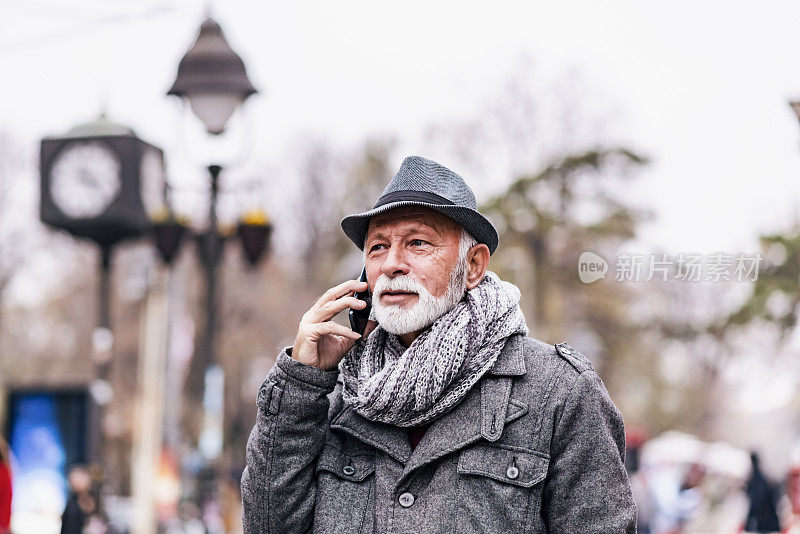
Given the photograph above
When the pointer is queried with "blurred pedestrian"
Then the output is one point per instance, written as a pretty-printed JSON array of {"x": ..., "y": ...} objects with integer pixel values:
[
  {"x": 676, "y": 496},
  {"x": 80, "y": 503},
  {"x": 762, "y": 515},
  {"x": 645, "y": 506},
  {"x": 792, "y": 519},
  {"x": 690, "y": 496},
  {"x": 5, "y": 488}
]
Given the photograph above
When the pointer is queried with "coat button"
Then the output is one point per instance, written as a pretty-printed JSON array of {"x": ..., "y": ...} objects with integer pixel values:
[
  {"x": 512, "y": 472},
  {"x": 348, "y": 470},
  {"x": 406, "y": 500}
]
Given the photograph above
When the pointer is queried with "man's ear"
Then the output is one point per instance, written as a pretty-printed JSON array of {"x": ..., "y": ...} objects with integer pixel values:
[{"x": 477, "y": 263}]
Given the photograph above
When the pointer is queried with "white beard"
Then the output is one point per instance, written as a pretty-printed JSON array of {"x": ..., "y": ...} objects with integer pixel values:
[{"x": 399, "y": 320}]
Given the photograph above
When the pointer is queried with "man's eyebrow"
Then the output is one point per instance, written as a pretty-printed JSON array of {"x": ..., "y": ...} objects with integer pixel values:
[
  {"x": 416, "y": 229},
  {"x": 377, "y": 235}
]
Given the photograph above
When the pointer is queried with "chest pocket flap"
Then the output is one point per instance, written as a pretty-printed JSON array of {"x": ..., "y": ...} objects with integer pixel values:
[
  {"x": 519, "y": 468},
  {"x": 353, "y": 467}
]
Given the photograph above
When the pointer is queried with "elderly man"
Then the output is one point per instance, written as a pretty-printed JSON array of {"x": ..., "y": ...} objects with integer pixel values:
[{"x": 445, "y": 417}]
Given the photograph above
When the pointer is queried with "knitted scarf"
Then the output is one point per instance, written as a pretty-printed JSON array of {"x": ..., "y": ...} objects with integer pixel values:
[{"x": 384, "y": 381}]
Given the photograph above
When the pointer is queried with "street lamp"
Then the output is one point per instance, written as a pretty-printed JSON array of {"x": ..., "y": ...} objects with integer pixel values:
[{"x": 212, "y": 79}]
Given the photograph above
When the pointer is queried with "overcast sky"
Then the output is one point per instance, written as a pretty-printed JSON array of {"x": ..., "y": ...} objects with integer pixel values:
[{"x": 701, "y": 87}]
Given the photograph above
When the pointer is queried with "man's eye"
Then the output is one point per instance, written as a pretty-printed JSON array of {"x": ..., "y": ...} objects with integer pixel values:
[
  {"x": 417, "y": 242},
  {"x": 376, "y": 247}
]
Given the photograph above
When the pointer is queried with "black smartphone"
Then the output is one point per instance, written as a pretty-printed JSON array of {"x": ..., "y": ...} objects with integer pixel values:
[{"x": 359, "y": 318}]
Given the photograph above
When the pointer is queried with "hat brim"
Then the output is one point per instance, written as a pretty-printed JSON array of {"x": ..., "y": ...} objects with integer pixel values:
[{"x": 355, "y": 226}]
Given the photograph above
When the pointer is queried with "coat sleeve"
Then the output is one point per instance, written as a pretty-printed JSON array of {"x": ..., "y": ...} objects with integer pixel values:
[
  {"x": 587, "y": 489},
  {"x": 278, "y": 483}
]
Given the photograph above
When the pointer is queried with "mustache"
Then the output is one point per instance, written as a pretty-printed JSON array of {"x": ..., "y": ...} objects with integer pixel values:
[{"x": 402, "y": 282}]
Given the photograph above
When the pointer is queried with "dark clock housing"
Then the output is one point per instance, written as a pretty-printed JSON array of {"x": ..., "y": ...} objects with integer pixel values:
[{"x": 141, "y": 183}]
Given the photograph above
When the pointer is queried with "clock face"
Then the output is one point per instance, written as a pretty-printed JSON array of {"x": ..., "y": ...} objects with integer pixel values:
[{"x": 85, "y": 179}]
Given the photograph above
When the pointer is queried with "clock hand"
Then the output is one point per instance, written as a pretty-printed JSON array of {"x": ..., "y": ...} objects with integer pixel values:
[{"x": 87, "y": 178}]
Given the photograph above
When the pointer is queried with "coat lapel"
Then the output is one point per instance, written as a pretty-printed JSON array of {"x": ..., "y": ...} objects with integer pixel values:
[
  {"x": 390, "y": 439},
  {"x": 483, "y": 413}
]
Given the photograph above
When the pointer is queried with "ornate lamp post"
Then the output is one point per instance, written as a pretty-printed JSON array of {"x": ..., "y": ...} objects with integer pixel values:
[{"x": 213, "y": 81}]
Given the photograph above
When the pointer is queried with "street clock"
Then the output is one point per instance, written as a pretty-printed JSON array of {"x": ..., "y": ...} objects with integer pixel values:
[
  {"x": 85, "y": 178},
  {"x": 101, "y": 181}
]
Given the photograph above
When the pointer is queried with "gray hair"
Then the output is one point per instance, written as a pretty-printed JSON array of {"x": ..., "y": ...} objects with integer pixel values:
[
  {"x": 465, "y": 244},
  {"x": 458, "y": 278}
]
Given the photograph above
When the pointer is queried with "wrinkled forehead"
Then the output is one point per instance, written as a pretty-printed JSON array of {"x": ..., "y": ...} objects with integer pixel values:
[{"x": 412, "y": 216}]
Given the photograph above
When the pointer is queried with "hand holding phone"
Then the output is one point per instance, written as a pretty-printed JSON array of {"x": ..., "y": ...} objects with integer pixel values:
[
  {"x": 359, "y": 318},
  {"x": 322, "y": 342}
]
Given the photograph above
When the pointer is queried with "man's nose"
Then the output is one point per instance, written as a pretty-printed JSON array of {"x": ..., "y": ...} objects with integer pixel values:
[{"x": 395, "y": 262}]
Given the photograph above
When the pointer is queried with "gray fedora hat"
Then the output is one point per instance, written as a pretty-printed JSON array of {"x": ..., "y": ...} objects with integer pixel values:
[{"x": 422, "y": 182}]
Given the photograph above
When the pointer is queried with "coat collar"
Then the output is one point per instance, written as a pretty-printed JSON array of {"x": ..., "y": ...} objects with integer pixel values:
[
  {"x": 511, "y": 361},
  {"x": 483, "y": 413}
]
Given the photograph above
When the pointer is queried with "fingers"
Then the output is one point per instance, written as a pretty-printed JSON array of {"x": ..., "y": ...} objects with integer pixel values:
[
  {"x": 329, "y": 310},
  {"x": 331, "y": 328},
  {"x": 349, "y": 286},
  {"x": 330, "y": 304}
]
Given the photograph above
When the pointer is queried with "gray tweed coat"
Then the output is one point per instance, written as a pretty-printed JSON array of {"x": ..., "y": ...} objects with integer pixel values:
[{"x": 536, "y": 446}]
